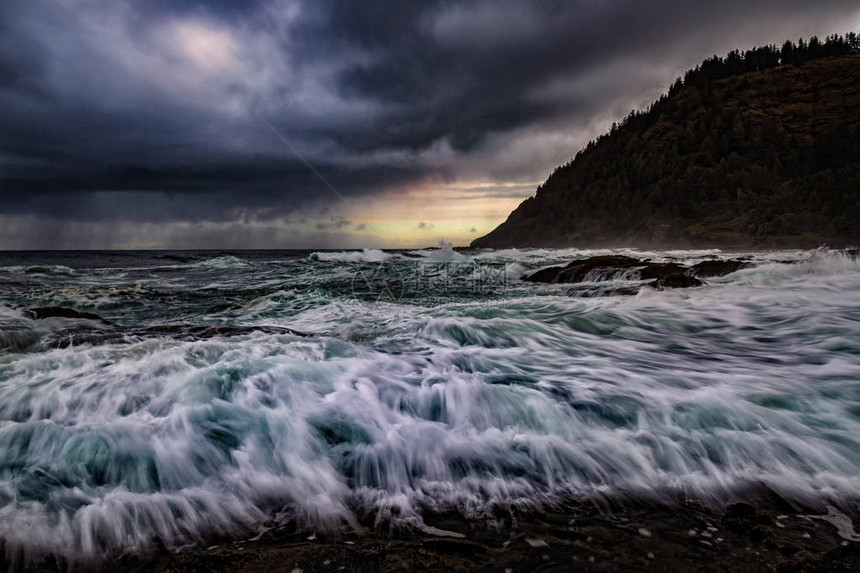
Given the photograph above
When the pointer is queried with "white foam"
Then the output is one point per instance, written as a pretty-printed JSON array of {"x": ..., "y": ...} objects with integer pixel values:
[{"x": 363, "y": 256}]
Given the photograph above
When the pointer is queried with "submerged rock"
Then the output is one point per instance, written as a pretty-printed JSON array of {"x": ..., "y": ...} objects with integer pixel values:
[
  {"x": 677, "y": 280},
  {"x": 593, "y": 291},
  {"x": 97, "y": 330},
  {"x": 43, "y": 312},
  {"x": 202, "y": 331}
]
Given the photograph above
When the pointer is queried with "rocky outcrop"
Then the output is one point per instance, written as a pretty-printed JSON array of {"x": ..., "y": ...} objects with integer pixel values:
[
  {"x": 592, "y": 269},
  {"x": 660, "y": 270},
  {"x": 708, "y": 269},
  {"x": 677, "y": 280},
  {"x": 607, "y": 268}
]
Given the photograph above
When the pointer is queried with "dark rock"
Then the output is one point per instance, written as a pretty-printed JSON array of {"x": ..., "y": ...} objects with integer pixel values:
[
  {"x": 572, "y": 533},
  {"x": 547, "y": 275},
  {"x": 602, "y": 267},
  {"x": 453, "y": 547},
  {"x": 42, "y": 312},
  {"x": 758, "y": 535},
  {"x": 843, "y": 559},
  {"x": 99, "y": 331},
  {"x": 606, "y": 268},
  {"x": 660, "y": 270},
  {"x": 706, "y": 269},
  {"x": 678, "y": 280},
  {"x": 202, "y": 331},
  {"x": 740, "y": 517},
  {"x": 592, "y": 291}
]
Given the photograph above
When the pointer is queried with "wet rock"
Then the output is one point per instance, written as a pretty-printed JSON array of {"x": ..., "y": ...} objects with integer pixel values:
[
  {"x": 708, "y": 269},
  {"x": 840, "y": 560},
  {"x": 594, "y": 291},
  {"x": 598, "y": 268},
  {"x": 43, "y": 312},
  {"x": 759, "y": 534},
  {"x": 547, "y": 275},
  {"x": 577, "y": 271},
  {"x": 202, "y": 331},
  {"x": 678, "y": 280},
  {"x": 453, "y": 547},
  {"x": 660, "y": 270},
  {"x": 571, "y": 537},
  {"x": 607, "y": 268},
  {"x": 97, "y": 330},
  {"x": 740, "y": 517}
]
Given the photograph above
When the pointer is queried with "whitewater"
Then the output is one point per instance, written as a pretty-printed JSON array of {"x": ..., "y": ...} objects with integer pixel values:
[{"x": 369, "y": 388}]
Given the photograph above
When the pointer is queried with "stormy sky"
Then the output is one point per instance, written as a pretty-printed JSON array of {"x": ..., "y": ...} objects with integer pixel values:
[{"x": 321, "y": 123}]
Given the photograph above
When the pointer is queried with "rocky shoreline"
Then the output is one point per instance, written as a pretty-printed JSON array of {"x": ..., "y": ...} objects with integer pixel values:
[{"x": 766, "y": 534}]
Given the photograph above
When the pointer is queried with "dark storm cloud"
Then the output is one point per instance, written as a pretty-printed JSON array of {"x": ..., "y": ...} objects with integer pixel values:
[{"x": 149, "y": 111}]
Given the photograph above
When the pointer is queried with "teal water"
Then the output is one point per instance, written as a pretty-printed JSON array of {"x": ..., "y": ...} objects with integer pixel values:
[{"x": 408, "y": 382}]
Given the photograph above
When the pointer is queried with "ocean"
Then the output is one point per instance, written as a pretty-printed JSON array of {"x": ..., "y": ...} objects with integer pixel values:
[{"x": 201, "y": 395}]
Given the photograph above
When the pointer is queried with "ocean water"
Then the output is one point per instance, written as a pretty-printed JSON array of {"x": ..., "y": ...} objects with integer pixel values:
[{"x": 389, "y": 384}]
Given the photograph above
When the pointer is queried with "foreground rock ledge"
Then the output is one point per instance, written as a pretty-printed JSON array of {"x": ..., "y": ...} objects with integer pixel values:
[{"x": 764, "y": 535}]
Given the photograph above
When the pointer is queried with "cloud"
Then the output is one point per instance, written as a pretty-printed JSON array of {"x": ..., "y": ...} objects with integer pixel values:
[
  {"x": 425, "y": 226},
  {"x": 335, "y": 223},
  {"x": 127, "y": 111}
]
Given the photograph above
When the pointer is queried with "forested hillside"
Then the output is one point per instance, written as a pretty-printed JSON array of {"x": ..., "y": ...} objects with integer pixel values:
[{"x": 755, "y": 148}]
